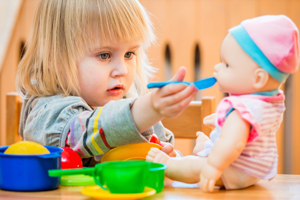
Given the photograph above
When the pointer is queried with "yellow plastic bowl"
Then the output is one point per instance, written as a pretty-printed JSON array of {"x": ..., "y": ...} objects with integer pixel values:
[{"x": 137, "y": 151}]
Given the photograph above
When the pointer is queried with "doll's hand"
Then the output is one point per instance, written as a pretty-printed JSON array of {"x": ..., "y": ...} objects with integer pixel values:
[
  {"x": 171, "y": 100},
  {"x": 156, "y": 155},
  {"x": 208, "y": 177},
  {"x": 200, "y": 141},
  {"x": 168, "y": 149},
  {"x": 210, "y": 120}
]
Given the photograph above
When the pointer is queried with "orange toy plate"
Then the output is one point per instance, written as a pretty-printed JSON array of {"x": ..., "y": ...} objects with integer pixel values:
[{"x": 137, "y": 151}]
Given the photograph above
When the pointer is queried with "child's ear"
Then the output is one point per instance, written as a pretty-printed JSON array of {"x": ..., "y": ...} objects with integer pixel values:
[{"x": 261, "y": 78}]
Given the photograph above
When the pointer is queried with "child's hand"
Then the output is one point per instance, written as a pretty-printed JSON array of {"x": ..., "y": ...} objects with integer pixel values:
[
  {"x": 168, "y": 101},
  {"x": 208, "y": 177},
  {"x": 210, "y": 120},
  {"x": 200, "y": 141},
  {"x": 171, "y": 100},
  {"x": 168, "y": 149}
]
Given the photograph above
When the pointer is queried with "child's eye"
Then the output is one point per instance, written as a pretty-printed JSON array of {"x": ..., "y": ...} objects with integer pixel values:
[
  {"x": 129, "y": 55},
  {"x": 227, "y": 66},
  {"x": 104, "y": 56}
]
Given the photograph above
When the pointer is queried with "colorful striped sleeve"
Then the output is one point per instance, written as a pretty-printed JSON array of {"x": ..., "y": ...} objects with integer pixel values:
[{"x": 95, "y": 132}]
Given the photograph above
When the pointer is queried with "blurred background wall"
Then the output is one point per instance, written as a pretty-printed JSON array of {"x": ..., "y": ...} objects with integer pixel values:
[{"x": 189, "y": 33}]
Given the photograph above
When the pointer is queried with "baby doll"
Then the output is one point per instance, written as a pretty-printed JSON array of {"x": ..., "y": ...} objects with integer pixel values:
[{"x": 257, "y": 56}]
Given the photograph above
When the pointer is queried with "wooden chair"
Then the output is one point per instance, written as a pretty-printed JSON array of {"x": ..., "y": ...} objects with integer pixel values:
[
  {"x": 13, "y": 111},
  {"x": 191, "y": 120},
  {"x": 184, "y": 126}
]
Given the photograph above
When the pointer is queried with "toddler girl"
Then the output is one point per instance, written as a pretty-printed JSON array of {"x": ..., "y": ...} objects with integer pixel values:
[
  {"x": 83, "y": 71},
  {"x": 256, "y": 58}
]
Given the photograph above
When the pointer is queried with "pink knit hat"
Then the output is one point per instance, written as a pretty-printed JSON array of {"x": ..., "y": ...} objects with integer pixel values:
[{"x": 272, "y": 41}]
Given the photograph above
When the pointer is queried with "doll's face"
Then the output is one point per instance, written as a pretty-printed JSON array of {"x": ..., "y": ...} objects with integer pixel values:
[{"x": 235, "y": 73}]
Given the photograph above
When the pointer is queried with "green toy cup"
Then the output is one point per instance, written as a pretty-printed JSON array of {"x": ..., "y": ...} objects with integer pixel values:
[
  {"x": 122, "y": 177},
  {"x": 156, "y": 176}
]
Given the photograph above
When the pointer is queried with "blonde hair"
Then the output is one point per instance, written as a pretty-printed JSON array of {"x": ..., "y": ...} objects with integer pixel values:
[{"x": 63, "y": 31}]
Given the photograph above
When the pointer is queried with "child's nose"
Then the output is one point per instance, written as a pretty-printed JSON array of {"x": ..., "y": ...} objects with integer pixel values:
[{"x": 120, "y": 69}]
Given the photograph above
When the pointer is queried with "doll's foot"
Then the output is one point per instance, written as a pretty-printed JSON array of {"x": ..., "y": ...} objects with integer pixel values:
[{"x": 156, "y": 155}]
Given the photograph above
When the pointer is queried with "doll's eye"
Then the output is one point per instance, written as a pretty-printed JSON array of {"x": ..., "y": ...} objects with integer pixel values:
[{"x": 104, "y": 56}]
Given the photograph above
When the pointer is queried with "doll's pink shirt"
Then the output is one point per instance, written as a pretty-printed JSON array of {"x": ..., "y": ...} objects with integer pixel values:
[{"x": 264, "y": 113}]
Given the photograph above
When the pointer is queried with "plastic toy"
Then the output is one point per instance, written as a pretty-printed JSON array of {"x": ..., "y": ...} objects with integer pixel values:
[
  {"x": 155, "y": 139},
  {"x": 77, "y": 180},
  {"x": 137, "y": 151},
  {"x": 29, "y": 172},
  {"x": 127, "y": 152},
  {"x": 26, "y": 148},
  {"x": 98, "y": 193},
  {"x": 200, "y": 85},
  {"x": 122, "y": 176},
  {"x": 256, "y": 58},
  {"x": 70, "y": 159}
]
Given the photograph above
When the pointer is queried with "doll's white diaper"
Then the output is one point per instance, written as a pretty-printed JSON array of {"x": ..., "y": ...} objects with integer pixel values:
[{"x": 237, "y": 179}]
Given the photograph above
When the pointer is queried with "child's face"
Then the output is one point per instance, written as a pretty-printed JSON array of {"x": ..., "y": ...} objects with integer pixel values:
[
  {"x": 106, "y": 73},
  {"x": 235, "y": 73}
]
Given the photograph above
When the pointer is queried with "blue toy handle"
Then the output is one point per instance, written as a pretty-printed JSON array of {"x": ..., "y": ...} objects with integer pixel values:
[{"x": 161, "y": 84}]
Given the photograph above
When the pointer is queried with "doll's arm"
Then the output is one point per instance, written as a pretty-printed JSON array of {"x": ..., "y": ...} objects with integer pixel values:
[
  {"x": 228, "y": 147},
  {"x": 210, "y": 120}
]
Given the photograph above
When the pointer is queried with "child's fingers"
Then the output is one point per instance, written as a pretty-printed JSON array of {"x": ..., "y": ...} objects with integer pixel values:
[
  {"x": 179, "y": 76},
  {"x": 159, "y": 102},
  {"x": 172, "y": 89},
  {"x": 168, "y": 148},
  {"x": 182, "y": 100},
  {"x": 187, "y": 93},
  {"x": 174, "y": 109},
  {"x": 172, "y": 154}
]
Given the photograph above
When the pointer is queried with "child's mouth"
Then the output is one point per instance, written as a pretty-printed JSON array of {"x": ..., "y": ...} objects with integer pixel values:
[{"x": 115, "y": 91}]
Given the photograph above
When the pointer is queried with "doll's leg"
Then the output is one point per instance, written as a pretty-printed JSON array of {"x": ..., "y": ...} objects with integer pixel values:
[
  {"x": 185, "y": 169},
  {"x": 200, "y": 141},
  {"x": 237, "y": 179}
]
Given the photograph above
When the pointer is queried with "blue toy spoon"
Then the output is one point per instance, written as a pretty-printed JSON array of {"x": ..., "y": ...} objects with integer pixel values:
[{"x": 200, "y": 84}]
